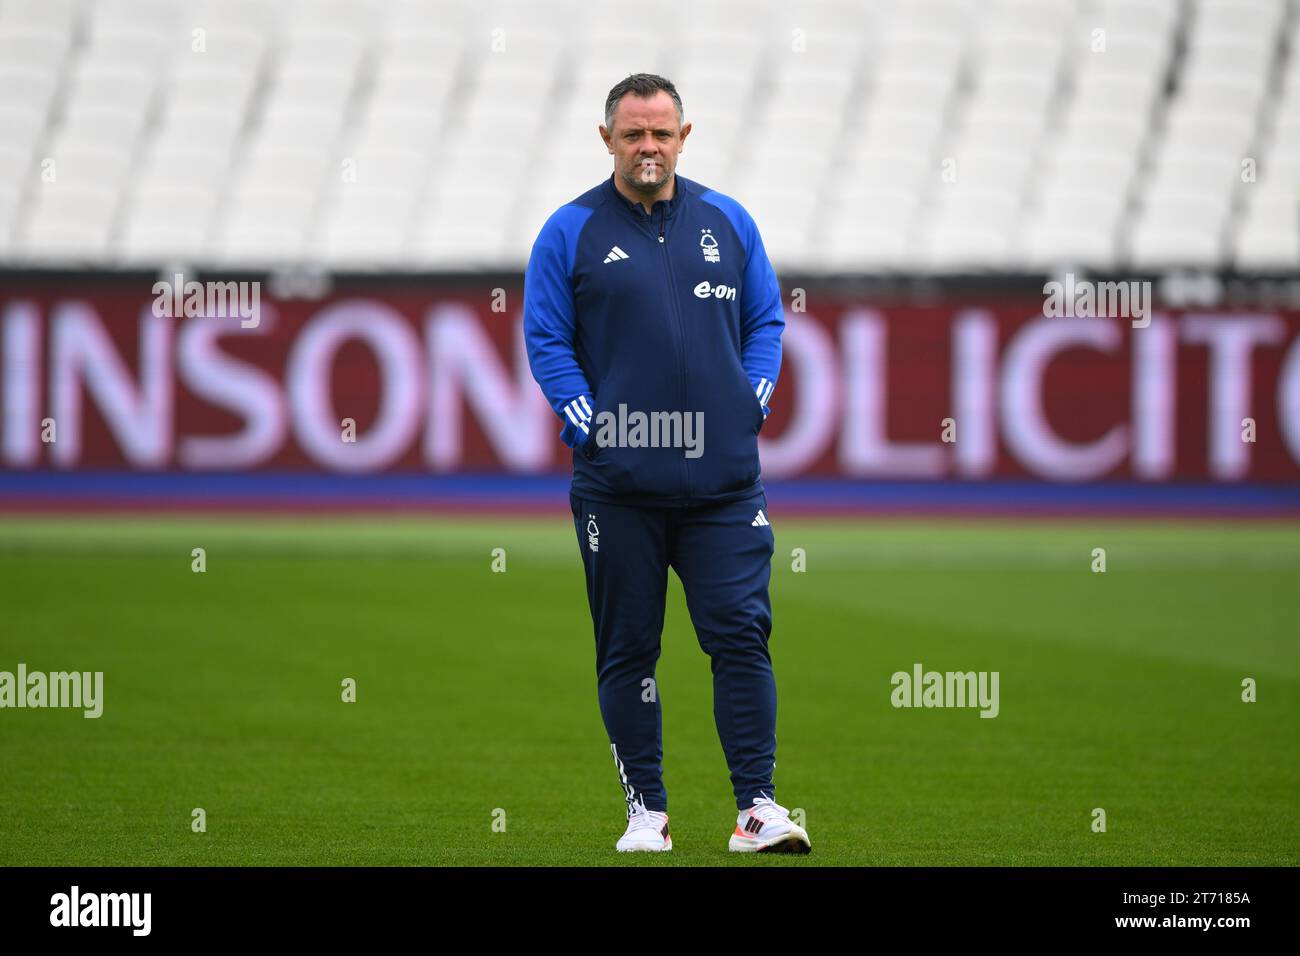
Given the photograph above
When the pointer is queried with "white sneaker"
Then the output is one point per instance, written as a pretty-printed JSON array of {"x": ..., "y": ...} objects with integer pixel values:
[
  {"x": 646, "y": 830},
  {"x": 766, "y": 827}
]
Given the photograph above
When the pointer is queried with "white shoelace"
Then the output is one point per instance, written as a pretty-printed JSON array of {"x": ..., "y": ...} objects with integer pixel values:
[
  {"x": 641, "y": 817},
  {"x": 769, "y": 810}
]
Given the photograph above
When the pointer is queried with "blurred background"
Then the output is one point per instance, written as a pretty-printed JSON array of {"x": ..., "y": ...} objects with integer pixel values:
[{"x": 374, "y": 172}]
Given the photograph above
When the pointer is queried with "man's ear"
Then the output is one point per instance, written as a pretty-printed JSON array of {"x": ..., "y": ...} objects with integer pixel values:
[
  {"x": 605, "y": 135},
  {"x": 685, "y": 131}
]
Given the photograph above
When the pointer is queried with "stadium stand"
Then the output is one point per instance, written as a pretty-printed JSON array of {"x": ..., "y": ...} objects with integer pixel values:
[{"x": 950, "y": 136}]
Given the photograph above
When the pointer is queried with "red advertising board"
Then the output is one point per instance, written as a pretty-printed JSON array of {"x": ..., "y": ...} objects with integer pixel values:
[{"x": 434, "y": 379}]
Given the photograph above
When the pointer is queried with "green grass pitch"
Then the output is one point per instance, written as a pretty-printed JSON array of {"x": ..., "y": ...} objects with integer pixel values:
[{"x": 476, "y": 695}]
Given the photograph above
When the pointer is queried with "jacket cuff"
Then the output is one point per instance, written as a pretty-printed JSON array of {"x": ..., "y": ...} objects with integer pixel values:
[
  {"x": 577, "y": 421},
  {"x": 763, "y": 392}
]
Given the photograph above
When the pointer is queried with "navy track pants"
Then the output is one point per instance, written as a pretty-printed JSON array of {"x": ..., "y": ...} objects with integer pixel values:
[{"x": 722, "y": 554}]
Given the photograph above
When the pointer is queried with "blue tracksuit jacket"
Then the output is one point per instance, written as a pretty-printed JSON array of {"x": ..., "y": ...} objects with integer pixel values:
[{"x": 678, "y": 310}]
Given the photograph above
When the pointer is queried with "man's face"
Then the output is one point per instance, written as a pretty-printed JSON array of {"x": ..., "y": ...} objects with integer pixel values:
[{"x": 645, "y": 140}]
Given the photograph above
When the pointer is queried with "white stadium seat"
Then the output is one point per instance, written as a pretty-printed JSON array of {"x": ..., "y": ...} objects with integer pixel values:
[
  {"x": 32, "y": 48},
  {"x": 1269, "y": 239},
  {"x": 22, "y": 87},
  {"x": 926, "y": 134},
  {"x": 1048, "y": 245},
  {"x": 148, "y": 244},
  {"x": 57, "y": 16},
  {"x": 80, "y": 164}
]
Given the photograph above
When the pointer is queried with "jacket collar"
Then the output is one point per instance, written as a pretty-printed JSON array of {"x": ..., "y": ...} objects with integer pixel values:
[{"x": 669, "y": 206}]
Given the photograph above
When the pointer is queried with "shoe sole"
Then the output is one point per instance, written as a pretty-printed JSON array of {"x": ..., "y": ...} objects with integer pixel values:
[
  {"x": 643, "y": 848},
  {"x": 796, "y": 842}
]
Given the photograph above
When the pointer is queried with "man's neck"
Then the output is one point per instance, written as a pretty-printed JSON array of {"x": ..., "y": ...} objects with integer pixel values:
[{"x": 666, "y": 191}]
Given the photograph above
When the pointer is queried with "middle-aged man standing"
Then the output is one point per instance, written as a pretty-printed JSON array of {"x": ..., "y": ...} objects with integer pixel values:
[{"x": 653, "y": 321}]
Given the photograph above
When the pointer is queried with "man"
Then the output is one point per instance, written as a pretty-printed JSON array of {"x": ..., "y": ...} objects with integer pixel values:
[{"x": 653, "y": 321}]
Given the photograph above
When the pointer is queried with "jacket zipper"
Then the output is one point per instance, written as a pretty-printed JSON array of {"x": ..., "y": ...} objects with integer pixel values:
[{"x": 681, "y": 344}]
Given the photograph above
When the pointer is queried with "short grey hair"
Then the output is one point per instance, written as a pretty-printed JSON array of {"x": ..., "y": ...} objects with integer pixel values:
[{"x": 642, "y": 84}]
